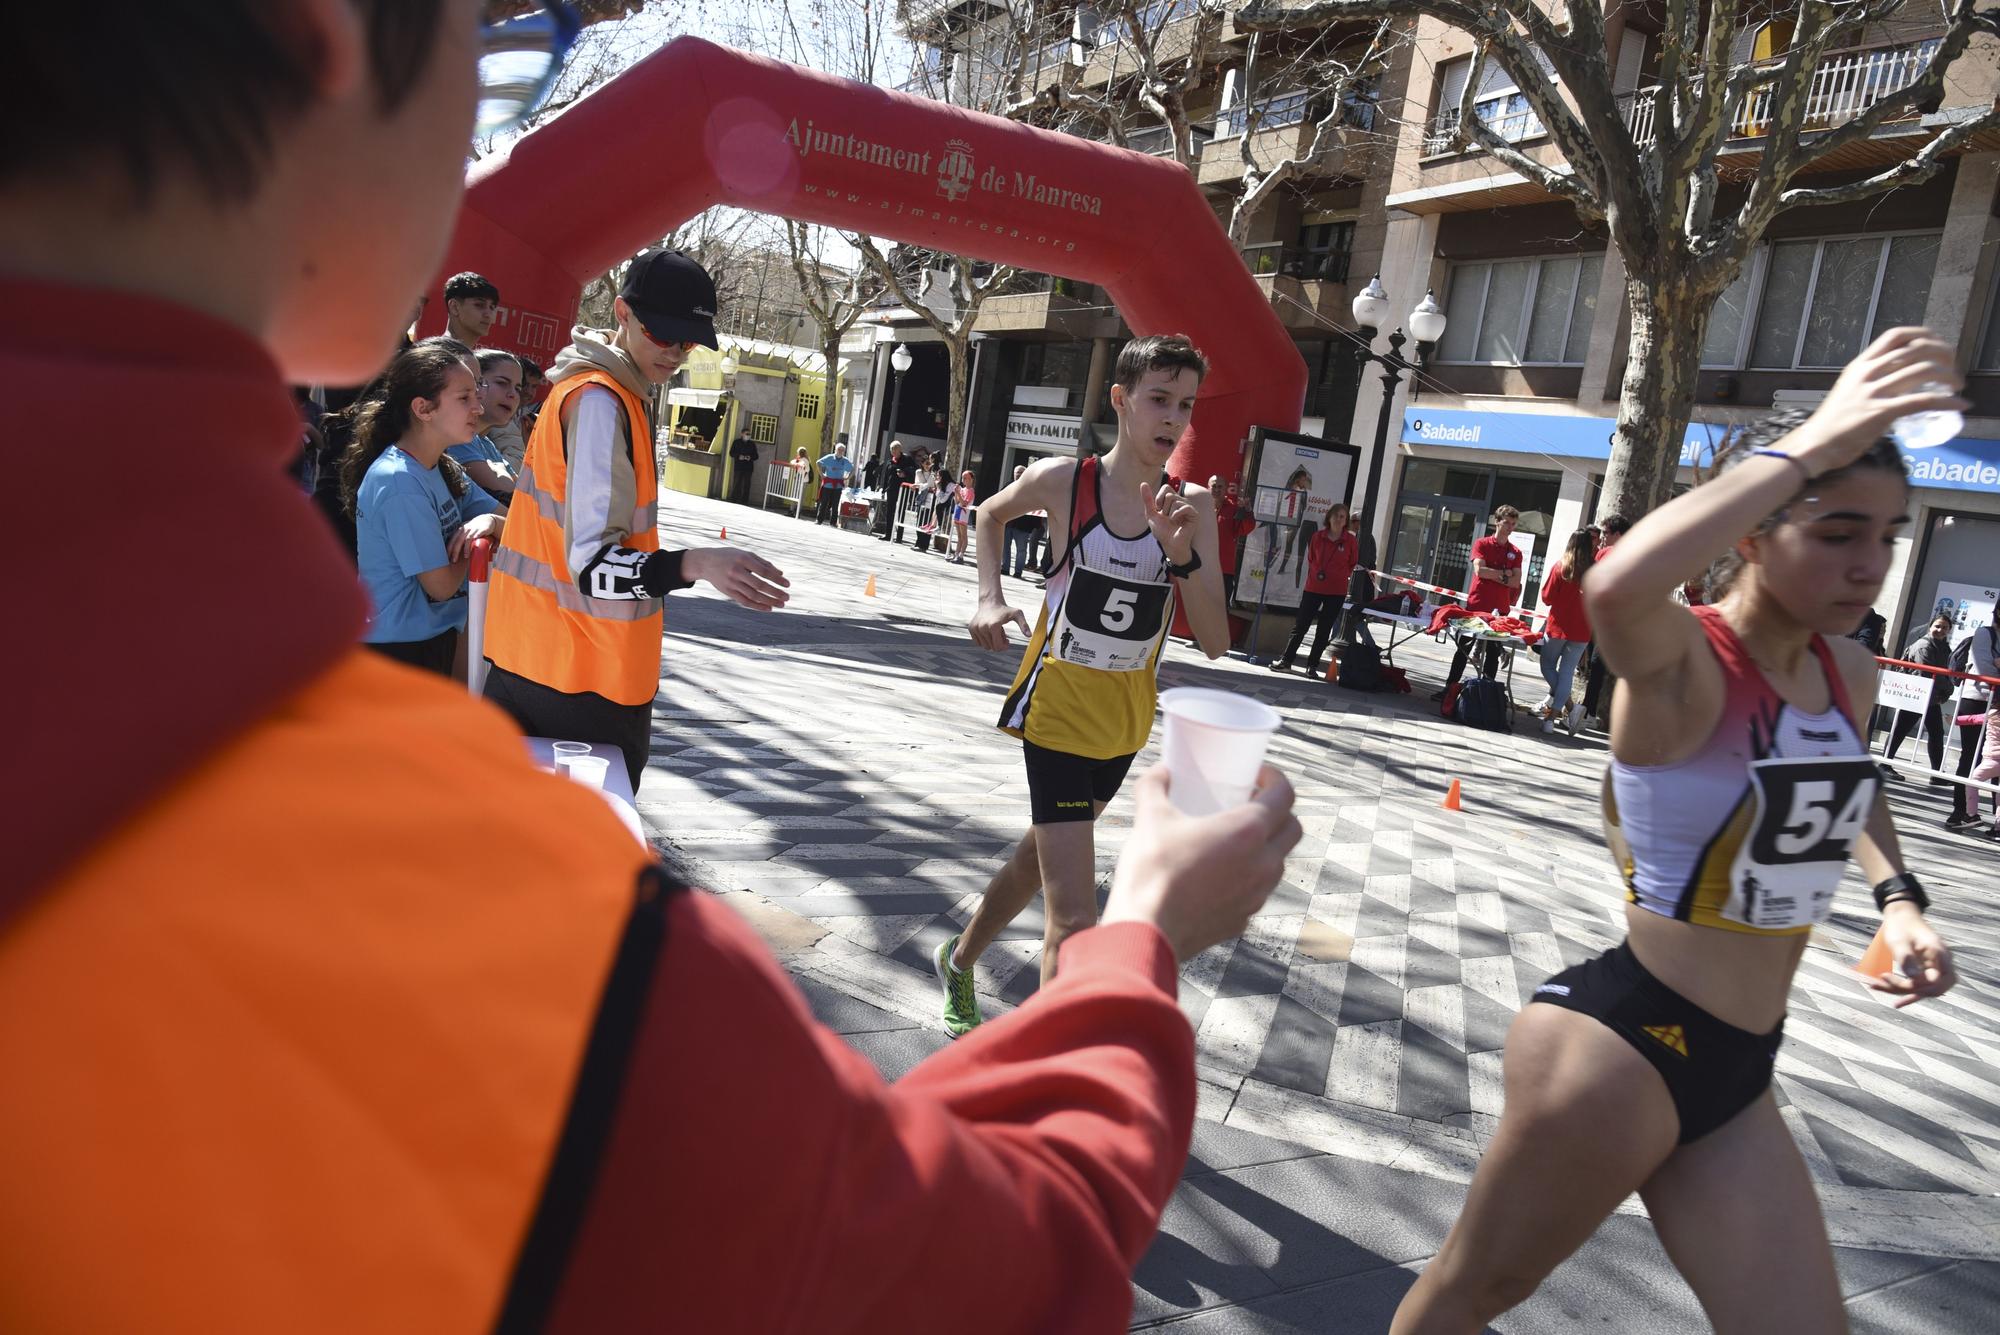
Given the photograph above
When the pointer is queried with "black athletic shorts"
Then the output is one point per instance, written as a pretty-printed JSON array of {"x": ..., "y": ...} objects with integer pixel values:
[
  {"x": 1061, "y": 787},
  {"x": 1713, "y": 1070}
]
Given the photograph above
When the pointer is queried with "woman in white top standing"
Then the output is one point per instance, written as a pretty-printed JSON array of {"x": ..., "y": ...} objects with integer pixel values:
[{"x": 1739, "y": 787}]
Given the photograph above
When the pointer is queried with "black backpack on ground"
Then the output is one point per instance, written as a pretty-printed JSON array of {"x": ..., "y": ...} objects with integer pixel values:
[
  {"x": 1360, "y": 667},
  {"x": 1484, "y": 703}
]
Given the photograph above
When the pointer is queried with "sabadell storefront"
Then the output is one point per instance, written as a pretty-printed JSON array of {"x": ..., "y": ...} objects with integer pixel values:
[{"x": 1458, "y": 466}]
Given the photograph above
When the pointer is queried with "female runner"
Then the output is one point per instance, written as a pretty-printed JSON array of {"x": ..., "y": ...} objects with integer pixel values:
[{"x": 1738, "y": 787}]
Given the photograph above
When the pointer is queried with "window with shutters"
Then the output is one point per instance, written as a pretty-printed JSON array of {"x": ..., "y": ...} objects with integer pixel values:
[
  {"x": 1530, "y": 312},
  {"x": 764, "y": 428},
  {"x": 1499, "y": 103}
]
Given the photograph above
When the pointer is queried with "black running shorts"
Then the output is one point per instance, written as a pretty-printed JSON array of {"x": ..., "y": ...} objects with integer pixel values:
[
  {"x": 1713, "y": 1070},
  {"x": 1062, "y": 787}
]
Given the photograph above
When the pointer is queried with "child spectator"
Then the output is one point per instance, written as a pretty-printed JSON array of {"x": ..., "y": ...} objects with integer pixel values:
[
  {"x": 415, "y": 512},
  {"x": 500, "y": 395},
  {"x": 1568, "y": 630},
  {"x": 471, "y": 303},
  {"x": 961, "y": 514}
]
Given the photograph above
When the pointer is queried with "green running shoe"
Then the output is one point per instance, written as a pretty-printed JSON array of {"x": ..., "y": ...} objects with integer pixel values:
[{"x": 961, "y": 1007}]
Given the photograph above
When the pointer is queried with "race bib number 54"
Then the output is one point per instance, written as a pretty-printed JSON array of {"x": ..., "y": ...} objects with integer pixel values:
[{"x": 1806, "y": 816}]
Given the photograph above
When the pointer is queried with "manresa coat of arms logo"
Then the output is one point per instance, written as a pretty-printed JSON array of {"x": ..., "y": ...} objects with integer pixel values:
[{"x": 955, "y": 170}]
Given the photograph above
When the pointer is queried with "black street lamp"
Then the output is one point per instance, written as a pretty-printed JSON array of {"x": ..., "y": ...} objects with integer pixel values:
[
  {"x": 1371, "y": 312},
  {"x": 899, "y": 362}
]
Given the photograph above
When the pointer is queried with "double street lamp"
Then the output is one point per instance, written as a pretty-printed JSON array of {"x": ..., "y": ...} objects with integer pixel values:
[
  {"x": 899, "y": 362},
  {"x": 1371, "y": 312}
]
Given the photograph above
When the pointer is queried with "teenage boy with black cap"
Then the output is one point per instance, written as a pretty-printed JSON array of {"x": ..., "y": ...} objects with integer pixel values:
[{"x": 575, "y": 610}]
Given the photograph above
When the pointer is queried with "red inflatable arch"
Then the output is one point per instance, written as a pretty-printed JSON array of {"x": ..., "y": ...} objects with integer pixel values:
[{"x": 695, "y": 124}]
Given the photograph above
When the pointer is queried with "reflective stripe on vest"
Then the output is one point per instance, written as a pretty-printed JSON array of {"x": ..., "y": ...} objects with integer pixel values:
[{"x": 539, "y": 623}]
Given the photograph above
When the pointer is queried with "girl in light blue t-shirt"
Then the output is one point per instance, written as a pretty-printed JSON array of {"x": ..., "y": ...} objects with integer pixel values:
[{"x": 415, "y": 511}]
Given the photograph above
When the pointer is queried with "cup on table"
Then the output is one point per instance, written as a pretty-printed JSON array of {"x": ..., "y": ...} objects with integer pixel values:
[
  {"x": 1215, "y": 745},
  {"x": 562, "y": 750},
  {"x": 588, "y": 770}
]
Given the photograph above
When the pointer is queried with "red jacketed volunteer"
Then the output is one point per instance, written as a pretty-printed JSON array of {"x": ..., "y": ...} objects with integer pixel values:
[{"x": 666, "y": 1135}]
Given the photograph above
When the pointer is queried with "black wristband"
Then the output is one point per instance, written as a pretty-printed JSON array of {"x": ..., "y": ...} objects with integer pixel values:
[
  {"x": 1901, "y": 889},
  {"x": 1182, "y": 572},
  {"x": 661, "y": 573}
]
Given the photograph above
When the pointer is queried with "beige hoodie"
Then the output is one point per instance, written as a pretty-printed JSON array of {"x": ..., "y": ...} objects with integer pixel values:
[{"x": 601, "y": 506}]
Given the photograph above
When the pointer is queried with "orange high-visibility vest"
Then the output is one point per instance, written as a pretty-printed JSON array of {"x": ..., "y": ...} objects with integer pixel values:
[
  {"x": 539, "y": 625},
  {"x": 288, "y": 1052}
]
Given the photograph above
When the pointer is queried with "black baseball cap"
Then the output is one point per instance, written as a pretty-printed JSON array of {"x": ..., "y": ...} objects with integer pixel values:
[{"x": 672, "y": 296}]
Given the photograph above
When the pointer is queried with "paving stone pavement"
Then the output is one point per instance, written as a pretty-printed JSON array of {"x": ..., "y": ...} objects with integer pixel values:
[{"x": 835, "y": 767}]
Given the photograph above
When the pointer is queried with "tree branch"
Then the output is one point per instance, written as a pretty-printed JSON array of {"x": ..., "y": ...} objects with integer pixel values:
[
  {"x": 1924, "y": 165},
  {"x": 1928, "y": 85}
]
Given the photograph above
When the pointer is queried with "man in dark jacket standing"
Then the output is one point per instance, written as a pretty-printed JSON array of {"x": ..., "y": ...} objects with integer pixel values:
[
  {"x": 742, "y": 468},
  {"x": 901, "y": 469}
]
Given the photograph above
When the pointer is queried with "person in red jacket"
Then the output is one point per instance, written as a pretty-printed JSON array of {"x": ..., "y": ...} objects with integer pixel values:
[
  {"x": 388, "y": 1082},
  {"x": 1568, "y": 630},
  {"x": 1330, "y": 559},
  {"x": 1496, "y": 583},
  {"x": 1233, "y": 523}
]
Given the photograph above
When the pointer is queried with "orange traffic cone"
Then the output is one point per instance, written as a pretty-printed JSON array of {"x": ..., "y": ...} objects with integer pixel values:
[
  {"x": 725, "y": 533},
  {"x": 1333, "y": 669},
  {"x": 1877, "y": 959},
  {"x": 869, "y": 592},
  {"x": 1451, "y": 799}
]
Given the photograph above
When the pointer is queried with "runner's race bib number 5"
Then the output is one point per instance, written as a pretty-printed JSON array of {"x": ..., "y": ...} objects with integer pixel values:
[
  {"x": 1109, "y": 623},
  {"x": 1807, "y": 814}
]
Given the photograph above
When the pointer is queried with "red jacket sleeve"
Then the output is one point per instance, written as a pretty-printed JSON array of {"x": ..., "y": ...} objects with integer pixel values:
[{"x": 1009, "y": 1183}]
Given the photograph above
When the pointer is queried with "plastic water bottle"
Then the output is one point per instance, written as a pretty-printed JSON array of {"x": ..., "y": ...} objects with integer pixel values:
[{"x": 1927, "y": 431}]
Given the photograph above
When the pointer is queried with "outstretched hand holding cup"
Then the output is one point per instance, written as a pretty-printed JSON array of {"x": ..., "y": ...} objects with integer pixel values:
[
  {"x": 1199, "y": 879},
  {"x": 1214, "y": 746}
]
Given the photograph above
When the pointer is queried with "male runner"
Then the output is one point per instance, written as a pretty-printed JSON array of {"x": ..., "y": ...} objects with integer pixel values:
[{"x": 1082, "y": 701}]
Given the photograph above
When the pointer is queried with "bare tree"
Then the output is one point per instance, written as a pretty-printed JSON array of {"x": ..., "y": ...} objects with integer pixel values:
[
  {"x": 1152, "y": 73},
  {"x": 1657, "y": 191},
  {"x": 719, "y": 239},
  {"x": 910, "y": 277},
  {"x": 834, "y": 299}
]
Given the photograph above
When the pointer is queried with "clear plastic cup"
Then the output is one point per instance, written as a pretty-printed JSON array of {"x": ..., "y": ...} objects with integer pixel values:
[
  {"x": 1214, "y": 747},
  {"x": 1927, "y": 431},
  {"x": 588, "y": 770}
]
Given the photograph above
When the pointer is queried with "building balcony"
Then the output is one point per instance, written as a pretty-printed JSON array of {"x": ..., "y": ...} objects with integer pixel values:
[
  {"x": 1041, "y": 304},
  {"x": 1843, "y": 86},
  {"x": 1282, "y": 128},
  {"x": 922, "y": 15},
  {"x": 1457, "y": 176},
  {"x": 1306, "y": 288},
  {"x": 1109, "y": 53}
]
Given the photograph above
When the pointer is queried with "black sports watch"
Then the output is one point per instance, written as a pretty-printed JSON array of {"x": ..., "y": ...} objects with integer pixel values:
[{"x": 1182, "y": 572}]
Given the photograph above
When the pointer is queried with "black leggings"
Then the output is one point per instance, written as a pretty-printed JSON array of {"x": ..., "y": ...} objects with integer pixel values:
[
  {"x": 1325, "y": 607},
  {"x": 540, "y": 711},
  {"x": 1933, "y": 721},
  {"x": 1491, "y": 661}
]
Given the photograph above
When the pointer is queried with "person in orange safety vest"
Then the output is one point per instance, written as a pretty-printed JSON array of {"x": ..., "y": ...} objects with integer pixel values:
[{"x": 575, "y": 608}]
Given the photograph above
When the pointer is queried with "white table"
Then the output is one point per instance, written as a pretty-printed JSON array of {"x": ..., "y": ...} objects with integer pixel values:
[
  {"x": 1411, "y": 628},
  {"x": 617, "y": 788}
]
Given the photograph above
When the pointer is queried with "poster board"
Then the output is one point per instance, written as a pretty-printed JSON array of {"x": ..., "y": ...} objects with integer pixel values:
[{"x": 1294, "y": 481}]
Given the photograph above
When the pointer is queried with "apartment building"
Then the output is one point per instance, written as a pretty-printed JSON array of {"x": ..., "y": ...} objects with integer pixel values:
[
  {"x": 1517, "y": 402},
  {"x": 1046, "y": 345},
  {"x": 1519, "y": 398}
]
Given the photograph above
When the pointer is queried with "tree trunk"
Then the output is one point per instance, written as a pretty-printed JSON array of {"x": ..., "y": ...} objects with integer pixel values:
[
  {"x": 954, "y": 422},
  {"x": 1669, "y": 324},
  {"x": 830, "y": 399}
]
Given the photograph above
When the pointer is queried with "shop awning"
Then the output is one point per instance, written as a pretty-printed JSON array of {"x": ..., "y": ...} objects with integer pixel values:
[{"x": 694, "y": 398}]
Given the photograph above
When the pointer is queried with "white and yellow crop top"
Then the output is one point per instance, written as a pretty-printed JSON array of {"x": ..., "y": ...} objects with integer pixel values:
[{"x": 1752, "y": 832}]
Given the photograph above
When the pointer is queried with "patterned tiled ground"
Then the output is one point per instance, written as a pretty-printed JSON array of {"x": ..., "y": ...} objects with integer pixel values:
[{"x": 837, "y": 762}]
